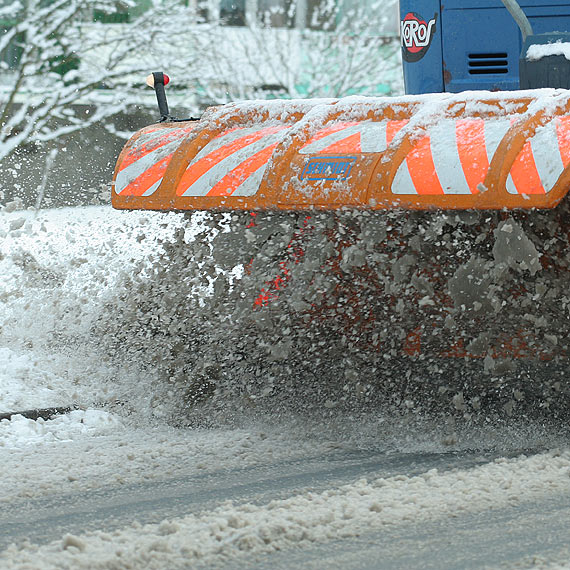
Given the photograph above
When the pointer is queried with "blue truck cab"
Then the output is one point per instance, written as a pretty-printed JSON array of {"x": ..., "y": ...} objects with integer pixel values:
[{"x": 459, "y": 45}]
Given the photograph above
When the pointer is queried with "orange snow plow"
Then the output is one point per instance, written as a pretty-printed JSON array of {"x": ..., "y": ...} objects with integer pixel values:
[
  {"x": 451, "y": 152},
  {"x": 417, "y": 236},
  {"x": 430, "y": 228}
]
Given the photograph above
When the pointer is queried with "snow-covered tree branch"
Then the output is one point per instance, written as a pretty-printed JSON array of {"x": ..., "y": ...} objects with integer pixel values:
[
  {"x": 73, "y": 71},
  {"x": 336, "y": 52},
  {"x": 68, "y": 70}
]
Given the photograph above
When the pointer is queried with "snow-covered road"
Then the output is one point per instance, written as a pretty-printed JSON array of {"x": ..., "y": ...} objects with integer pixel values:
[
  {"x": 113, "y": 484},
  {"x": 118, "y": 496}
]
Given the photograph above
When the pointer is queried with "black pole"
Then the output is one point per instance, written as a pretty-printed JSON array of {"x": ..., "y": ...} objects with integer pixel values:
[{"x": 161, "y": 96}]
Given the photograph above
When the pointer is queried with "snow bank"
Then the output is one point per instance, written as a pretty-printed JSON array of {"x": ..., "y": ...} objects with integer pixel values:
[
  {"x": 20, "y": 432},
  {"x": 348, "y": 511}
]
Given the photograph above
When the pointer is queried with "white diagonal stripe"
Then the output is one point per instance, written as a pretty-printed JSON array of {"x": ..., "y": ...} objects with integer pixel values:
[
  {"x": 210, "y": 178},
  {"x": 318, "y": 146},
  {"x": 494, "y": 133},
  {"x": 547, "y": 157},
  {"x": 443, "y": 143},
  {"x": 153, "y": 188},
  {"x": 169, "y": 134},
  {"x": 224, "y": 139},
  {"x": 402, "y": 183},
  {"x": 145, "y": 138},
  {"x": 134, "y": 170},
  {"x": 250, "y": 185},
  {"x": 511, "y": 188}
]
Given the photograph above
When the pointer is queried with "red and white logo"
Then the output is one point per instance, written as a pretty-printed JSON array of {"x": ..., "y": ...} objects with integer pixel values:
[{"x": 416, "y": 36}]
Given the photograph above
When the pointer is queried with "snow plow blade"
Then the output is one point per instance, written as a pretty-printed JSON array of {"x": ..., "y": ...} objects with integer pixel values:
[{"x": 450, "y": 152}]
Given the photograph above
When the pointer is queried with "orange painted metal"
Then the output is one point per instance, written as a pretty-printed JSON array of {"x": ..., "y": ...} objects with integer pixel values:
[{"x": 507, "y": 151}]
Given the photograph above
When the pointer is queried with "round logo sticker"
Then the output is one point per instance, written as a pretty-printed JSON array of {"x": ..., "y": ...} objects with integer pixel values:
[{"x": 416, "y": 35}]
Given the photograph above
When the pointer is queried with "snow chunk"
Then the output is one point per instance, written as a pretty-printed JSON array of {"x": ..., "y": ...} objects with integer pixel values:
[
  {"x": 514, "y": 248},
  {"x": 536, "y": 52},
  {"x": 470, "y": 285}
]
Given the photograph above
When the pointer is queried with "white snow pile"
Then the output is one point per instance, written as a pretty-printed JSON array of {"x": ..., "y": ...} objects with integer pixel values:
[
  {"x": 348, "y": 511},
  {"x": 22, "y": 375},
  {"x": 58, "y": 268},
  {"x": 20, "y": 432},
  {"x": 539, "y": 51}
]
